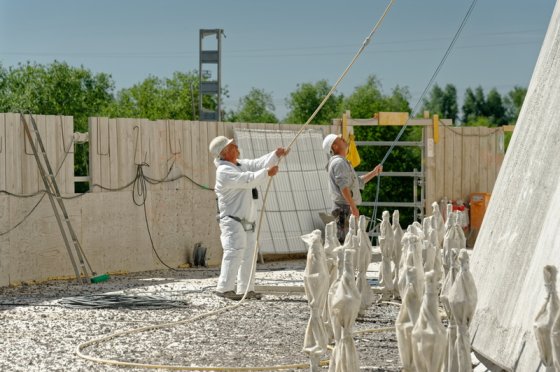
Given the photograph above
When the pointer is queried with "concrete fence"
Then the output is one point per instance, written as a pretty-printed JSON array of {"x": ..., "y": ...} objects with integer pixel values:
[
  {"x": 179, "y": 212},
  {"x": 112, "y": 229}
]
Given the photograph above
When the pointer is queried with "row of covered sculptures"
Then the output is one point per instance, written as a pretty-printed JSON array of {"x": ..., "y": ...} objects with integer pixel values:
[
  {"x": 337, "y": 291},
  {"x": 430, "y": 264},
  {"x": 423, "y": 266}
]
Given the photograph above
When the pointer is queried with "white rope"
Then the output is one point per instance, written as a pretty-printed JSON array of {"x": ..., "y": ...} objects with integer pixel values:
[{"x": 86, "y": 344}]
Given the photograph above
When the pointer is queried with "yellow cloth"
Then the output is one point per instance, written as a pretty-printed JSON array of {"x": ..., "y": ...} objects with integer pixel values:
[{"x": 353, "y": 156}]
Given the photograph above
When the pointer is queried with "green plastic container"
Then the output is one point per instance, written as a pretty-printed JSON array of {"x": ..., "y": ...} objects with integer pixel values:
[{"x": 99, "y": 278}]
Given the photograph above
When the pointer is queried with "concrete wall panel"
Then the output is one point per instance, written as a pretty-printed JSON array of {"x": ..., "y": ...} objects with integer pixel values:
[{"x": 519, "y": 233}]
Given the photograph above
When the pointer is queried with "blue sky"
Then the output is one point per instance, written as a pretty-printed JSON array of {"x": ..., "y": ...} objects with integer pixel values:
[{"x": 274, "y": 45}]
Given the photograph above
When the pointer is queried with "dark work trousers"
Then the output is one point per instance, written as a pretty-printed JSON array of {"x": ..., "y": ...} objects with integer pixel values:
[{"x": 341, "y": 213}]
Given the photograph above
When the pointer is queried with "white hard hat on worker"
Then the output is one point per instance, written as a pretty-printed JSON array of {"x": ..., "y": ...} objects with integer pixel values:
[
  {"x": 218, "y": 145},
  {"x": 328, "y": 143}
]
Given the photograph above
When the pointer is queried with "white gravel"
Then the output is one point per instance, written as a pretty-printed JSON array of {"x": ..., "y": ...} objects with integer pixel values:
[{"x": 38, "y": 334}]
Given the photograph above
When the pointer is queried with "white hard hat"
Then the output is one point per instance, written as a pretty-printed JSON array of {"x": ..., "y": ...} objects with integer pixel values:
[
  {"x": 328, "y": 141},
  {"x": 218, "y": 144}
]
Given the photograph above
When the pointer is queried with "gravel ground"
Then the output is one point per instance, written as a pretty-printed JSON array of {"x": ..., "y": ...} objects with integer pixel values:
[{"x": 39, "y": 334}]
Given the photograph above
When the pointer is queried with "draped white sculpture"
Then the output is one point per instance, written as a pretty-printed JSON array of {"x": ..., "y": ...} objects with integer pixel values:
[
  {"x": 437, "y": 223},
  {"x": 332, "y": 245},
  {"x": 352, "y": 229},
  {"x": 454, "y": 239},
  {"x": 462, "y": 300},
  {"x": 438, "y": 261},
  {"x": 387, "y": 246},
  {"x": 316, "y": 283},
  {"x": 451, "y": 363},
  {"x": 544, "y": 321},
  {"x": 364, "y": 260},
  {"x": 555, "y": 337},
  {"x": 408, "y": 315},
  {"x": 344, "y": 302},
  {"x": 398, "y": 234},
  {"x": 428, "y": 334}
]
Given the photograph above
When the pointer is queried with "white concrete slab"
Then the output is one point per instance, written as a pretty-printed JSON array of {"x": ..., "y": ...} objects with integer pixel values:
[{"x": 518, "y": 235}]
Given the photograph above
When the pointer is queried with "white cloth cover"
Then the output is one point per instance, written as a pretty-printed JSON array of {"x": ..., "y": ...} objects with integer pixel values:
[
  {"x": 437, "y": 223},
  {"x": 352, "y": 229},
  {"x": 408, "y": 315},
  {"x": 398, "y": 234},
  {"x": 344, "y": 301},
  {"x": 316, "y": 283},
  {"x": 411, "y": 244},
  {"x": 428, "y": 334},
  {"x": 428, "y": 255},
  {"x": 454, "y": 239},
  {"x": 387, "y": 246},
  {"x": 546, "y": 316},
  {"x": 364, "y": 250},
  {"x": 451, "y": 363},
  {"x": 331, "y": 246},
  {"x": 438, "y": 261},
  {"x": 555, "y": 337},
  {"x": 462, "y": 300}
]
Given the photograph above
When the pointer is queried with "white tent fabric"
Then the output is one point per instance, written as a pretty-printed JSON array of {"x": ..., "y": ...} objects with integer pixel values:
[{"x": 298, "y": 192}]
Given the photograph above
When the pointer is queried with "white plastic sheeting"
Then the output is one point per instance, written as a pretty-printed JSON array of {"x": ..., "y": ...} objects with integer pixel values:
[{"x": 297, "y": 194}]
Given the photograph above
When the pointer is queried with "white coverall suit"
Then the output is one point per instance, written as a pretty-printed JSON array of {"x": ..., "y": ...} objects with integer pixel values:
[{"x": 234, "y": 184}]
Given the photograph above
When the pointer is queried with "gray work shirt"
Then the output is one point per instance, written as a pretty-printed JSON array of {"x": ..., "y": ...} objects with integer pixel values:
[{"x": 341, "y": 175}]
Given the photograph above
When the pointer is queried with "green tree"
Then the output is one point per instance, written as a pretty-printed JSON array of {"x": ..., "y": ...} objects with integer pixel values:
[
  {"x": 364, "y": 102},
  {"x": 513, "y": 101},
  {"x": 157, "y": 98},
  {"x": 256, "y": 107},
  {"x": 469, "y": 106},
  {"x": 442, "y": 102},
  {"x": 305, "y": 100},
  {"x": 495, "y": 109},
  {"x": 57, "y": 89}
]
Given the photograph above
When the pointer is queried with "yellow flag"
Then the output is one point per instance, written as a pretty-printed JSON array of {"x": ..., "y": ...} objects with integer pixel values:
[{"x": 353, "y": 156}]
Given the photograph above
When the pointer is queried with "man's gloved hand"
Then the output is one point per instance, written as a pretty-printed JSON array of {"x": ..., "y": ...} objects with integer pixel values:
[
  {"x": 280, "y": 151},
  {"x": 272, "y": 171}
]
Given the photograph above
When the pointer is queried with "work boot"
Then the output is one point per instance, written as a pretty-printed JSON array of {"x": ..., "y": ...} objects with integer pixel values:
[
  {"x": 231, "y": 295},
  {"x": 253, "y": 295}
]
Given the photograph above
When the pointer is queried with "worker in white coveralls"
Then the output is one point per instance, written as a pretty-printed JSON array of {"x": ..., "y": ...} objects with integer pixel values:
[
  {"x": 344, "y": 184},
  {"x": 236, "y": 182}
]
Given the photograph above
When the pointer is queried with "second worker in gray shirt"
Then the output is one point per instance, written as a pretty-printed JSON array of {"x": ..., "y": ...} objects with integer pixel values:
[{"x": 344, "y": 183}]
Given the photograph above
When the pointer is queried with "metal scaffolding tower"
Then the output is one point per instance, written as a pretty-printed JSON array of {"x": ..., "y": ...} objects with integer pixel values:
[{"x": 207, "y": 86}]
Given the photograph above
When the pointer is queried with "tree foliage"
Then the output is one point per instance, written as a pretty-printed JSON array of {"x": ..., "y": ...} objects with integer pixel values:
[
  {"x": 305, "y": 100},
  {"x": 159, "y": 98},
  {"x": 256, "y": 107},
  {"x": 364, "y": 102},
  {"x": 443, "y": 102},
  {"x": 57, "y": 89},
  {"x": 513, "y": 101}
]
